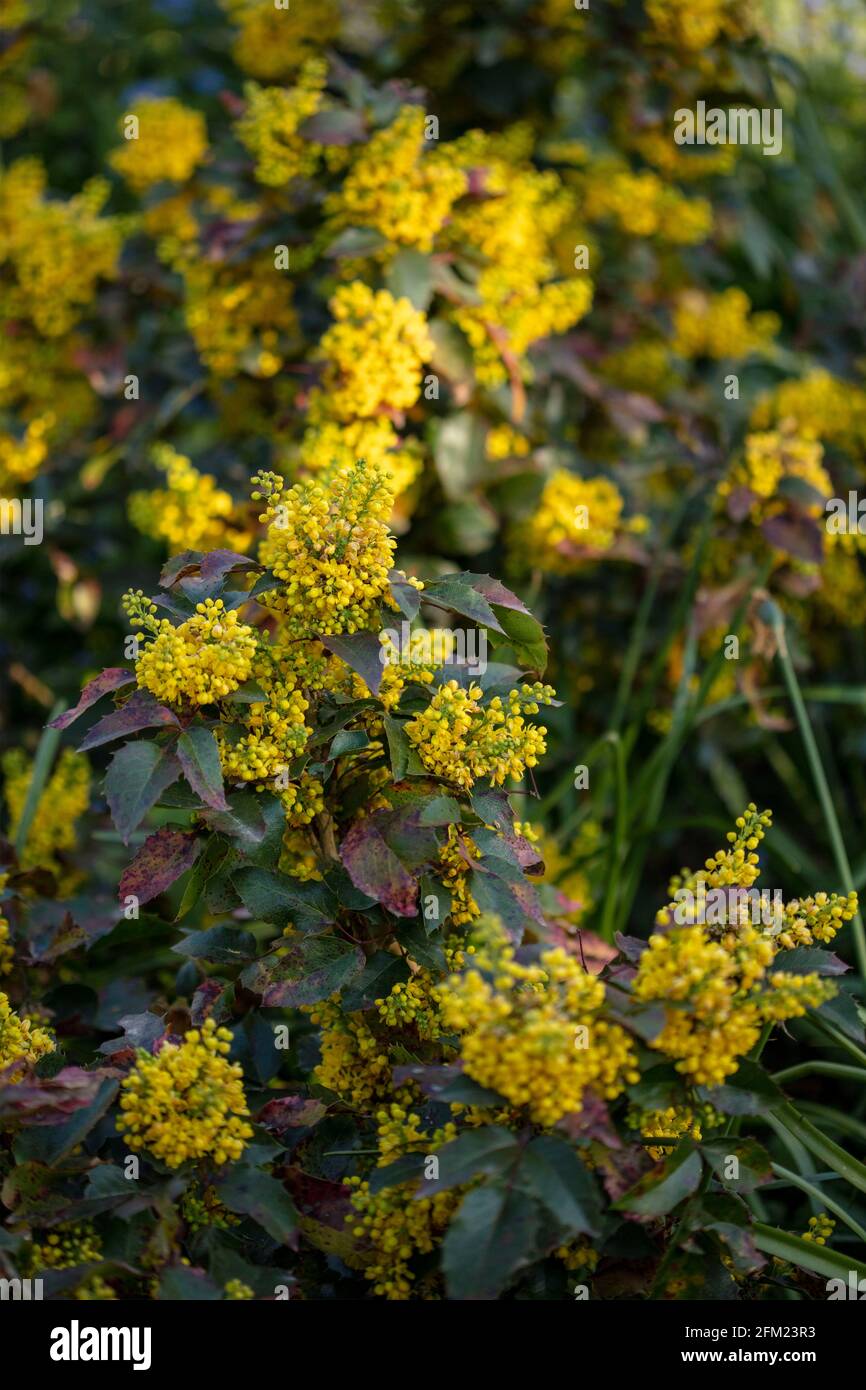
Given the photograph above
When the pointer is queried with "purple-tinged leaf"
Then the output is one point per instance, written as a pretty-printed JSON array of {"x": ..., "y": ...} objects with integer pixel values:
[
  {"x": 141, "y": 711},
  {"x": 110, "y": 679},
  {"x": 159, "y": 863},
  {"x": 137, "y": 775},
  {"x": 200, "y": 759},
  {"x": 374, "y": 868}
]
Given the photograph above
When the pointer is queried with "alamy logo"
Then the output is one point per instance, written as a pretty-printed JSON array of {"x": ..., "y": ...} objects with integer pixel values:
[
  {"x": 20, "y": 1289},
  {"x": 19, "y": 518},
  {"x": 77, "y": 1343},
  {"x": 846, "y": 518},
  {"x": 741, "y": 125},
  {"x": 854, "y": 1288}
]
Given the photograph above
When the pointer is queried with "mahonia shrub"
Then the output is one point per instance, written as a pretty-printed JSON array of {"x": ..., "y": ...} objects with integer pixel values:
[{"x": 386, "y": 1049}]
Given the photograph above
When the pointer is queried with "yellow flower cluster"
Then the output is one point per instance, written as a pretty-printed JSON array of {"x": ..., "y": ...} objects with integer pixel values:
[
  {"x": 820, "y": 1228},
  {"x": 720, "y": 325},
  {"x": 395, "y": 1222},
  {"x": 57, "y": 252},
  {"x": 771, "y": 456},
  {"x": 202, "y": 660},
  {"x": 277, "y": 734},
  {"x": 514, "y": 226},
  {"x": 187, "y": 1102},
  {"x": 716, "y": 997},
  {"x": 354, "y": 1064},
  {"x": 237, "y": 1289},
  {"x": 67, "y": 1245},
  {"x": 397, "y": 188},
  {"x": 333, "y": 444},
  {"x": 21, "y": 458},
  {"x": 167, "y": 144},
  {"x": 237, "y": 313},
  {"x": 203, "y": 1208},
  {"x": 455, "y": 866},
  {"x": 269, "y": 126},
  {"x": 818, "y": 918},
  {"x": 65, "y": 798},
  {"x": 20, "y": 1039},
  {"x": 191, "y": 512},
  {"x": 7, "y": 950},
  {"x": 328, "y": 543},
  {"x": 461, "y": 740},
  {"x": 535, "y": 1033},
  {"x": 373, "y": 355},
  {"x": 644, "y": 204},
  {"x": 695, "y": 24},
  {"x": 274, "y": 41},
  {"x": 671, "y": 1122},
  {"x": 575, "y": 520},
  {"x": 823, "y": 405},
  {"x": 412, "y": 1005}
]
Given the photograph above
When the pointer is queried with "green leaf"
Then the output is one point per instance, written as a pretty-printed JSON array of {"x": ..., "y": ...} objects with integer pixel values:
[
  {"x": 493, "y": 1235},
  {"x": 488, "y": 1151},
  {"x": 660, "y": 1191},
  {"x": 224, "y": 945},
  {"x": 363, "y": 652},
  {"x": 410, "y": 276},
  {"x": 754, "y": 1166},
  {"x": 283, "y": 901},
  {"x": 137, "y": 775},
  {"x": 458, "y": 453},
  {"x": 248, "y": 1192},
  {"x": 200, "y": 759},
  {"x": 748, "y": 1092},
  {"x": 551, "y": 1172},
  {"x": 310, "y": 970},
  {"x": 51, "y": 1143},
  {"x": 843, "y": 1163},
  {"x": 382, "y": 971},
  {"x": 348, "y": 741}
]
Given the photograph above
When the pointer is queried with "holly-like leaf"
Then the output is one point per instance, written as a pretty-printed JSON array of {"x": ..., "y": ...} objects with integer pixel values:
[
  {"x": 374, "y": 868},
  {"x": 111, "y": 679},
  {"x": 363, "y": 652},
  {"x": 141, "y": 711},
  {"x": 200, "y": 759},
  {"x": 494, "y": 1235},
  {"x": 669, "y": 1184},
  {"x": 486, "y": 1151},
  {"x": 162, "y": 859},
  {"x": 224, "y": 944},
  {"x": 281, "y": 900},
  {"x": 308, "y": 971},
  {"x": 137, "y": 775},
  {"x": 750, "y": 1091},
  {"x": 248, "y": 1192}
]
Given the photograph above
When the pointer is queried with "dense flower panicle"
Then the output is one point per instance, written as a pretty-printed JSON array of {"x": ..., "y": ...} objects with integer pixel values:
[
  {"x": 269, "y": 126},
  {"x": 241, "y": 316},
  {"x": 373, "y": 355},
  {"x": 277, "y": 734},
  {"x": 57, "y": 252},
  {"x": 720, "y": 325},
  {"x": 535, "y": 1033},
  {"x": 827, "y": 407},
  {"x": 170, "y": 143},
  {"x": 643, "y": 204},
  {"x": 273, "y": 42},
  {"x": 399, "y": 186},
  {"x": 461, "y": 740},
  {"x": 576, "y": 519},
  {"x": 20, "y": 1039},
  {"x": 412, "y": 1005},
  {"x": 329, "y": 545},
  {"x": 191, "y": 512},
  {"x": 671, "y": 1122},
  {"x": 815, "y": 919},
  {"x": 188, "y": 1101},
  {"x": 334, "y": 445},
  {"x": 355, "y": 1063},
  {"x": 695, "y": 24},
  {"x": 395, "y": 1222},
  {"x": 64, "y": 800},
  {"x": 204, "y": 659}
]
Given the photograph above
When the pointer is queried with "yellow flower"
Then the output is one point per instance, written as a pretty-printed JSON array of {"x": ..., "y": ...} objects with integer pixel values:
[
  {"x": 191, "y": 512},
  {"x": 461, "y": 740},
  {"x": 328, "y": 543},
  {"x": 269, "y": 126},
  {"x": 169, "y": 144},
  {"x": 202, "y": 660},
  {"x": 719, "y": 325},
  {"x": 187, "y": 1102},
  {"x": 576, "y": 519},
  {"x": 535, "y": 1033},
  {"x": 20, "y": 1039},
  {"x": 65, "y": 798},
  {"x": 273, "y": 42},
  {"x": 373, "y": 355}
]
